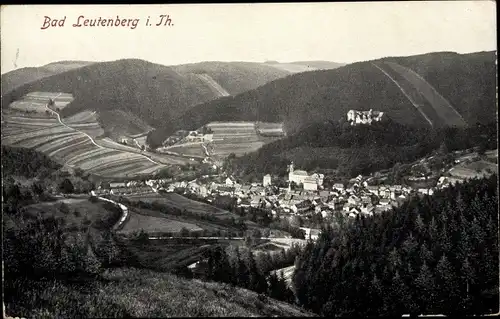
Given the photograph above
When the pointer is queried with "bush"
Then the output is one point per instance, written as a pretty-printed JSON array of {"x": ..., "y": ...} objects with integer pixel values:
[{"x": 66, "y": 186}]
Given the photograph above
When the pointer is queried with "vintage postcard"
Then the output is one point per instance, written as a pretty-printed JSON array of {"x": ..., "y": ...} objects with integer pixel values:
[{"x": 277, "y": 159}]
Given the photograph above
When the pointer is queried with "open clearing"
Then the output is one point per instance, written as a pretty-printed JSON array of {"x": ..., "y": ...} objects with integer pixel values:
[
  {"x": 76, "y": 212},
  {"x": 181, "y": 202},
  {"x": 152, "y": 225}
]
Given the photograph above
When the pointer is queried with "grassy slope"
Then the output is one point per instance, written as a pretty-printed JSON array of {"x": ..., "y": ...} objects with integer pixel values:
[
  {"x": 467, "y": 81},
  {"x": 235, "y": 77},
  {"x": 143, "y": 293}
]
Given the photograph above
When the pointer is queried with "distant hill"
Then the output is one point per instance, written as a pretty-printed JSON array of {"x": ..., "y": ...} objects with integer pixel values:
[
  {"x": 234, "y": 77},
  {"x": 320, "y": 65},
  {"x": 16, "y": 78},
  {"x": 150, "y": 92},
  {"x": 467, "y": 81}
]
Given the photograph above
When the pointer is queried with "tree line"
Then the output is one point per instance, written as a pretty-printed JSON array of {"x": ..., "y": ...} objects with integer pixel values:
[
  {"x": 436, "y": 254},
  {"x": 245, "y": 269}
]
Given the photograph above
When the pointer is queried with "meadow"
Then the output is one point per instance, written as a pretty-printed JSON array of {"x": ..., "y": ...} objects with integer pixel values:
[
  {"x": 77, "y": 213},
  {"x": 182, "y": 203}
]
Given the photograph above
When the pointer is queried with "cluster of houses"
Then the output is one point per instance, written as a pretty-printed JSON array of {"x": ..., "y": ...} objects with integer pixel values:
[
  {"x": 130, "y": 188},
  {"x": 309, "y": 182},
  {"x": 357, "y": 197},
  {"x": 364, "y": 117}
]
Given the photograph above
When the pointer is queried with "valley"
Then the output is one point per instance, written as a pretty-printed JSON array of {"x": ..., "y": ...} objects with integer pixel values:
[{"x": 227, "y": 178}]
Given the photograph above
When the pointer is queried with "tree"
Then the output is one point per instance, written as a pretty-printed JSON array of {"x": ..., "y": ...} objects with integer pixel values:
[
  {"x": 425, "y": 285},
  {"x": 66, "y": 186},
  {"x": 64, "y": 208},
  {"x": 37, "y": 188},
  {"x": 446, "y": 285},
  {"x": 108, "y": 250}
]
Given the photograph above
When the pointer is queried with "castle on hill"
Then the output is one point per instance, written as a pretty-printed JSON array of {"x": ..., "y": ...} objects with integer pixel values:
[{"x": 364, "y": 117}]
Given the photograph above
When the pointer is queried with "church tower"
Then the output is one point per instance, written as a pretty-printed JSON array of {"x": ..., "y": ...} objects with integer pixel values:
[{"x": 290, "y": 172}]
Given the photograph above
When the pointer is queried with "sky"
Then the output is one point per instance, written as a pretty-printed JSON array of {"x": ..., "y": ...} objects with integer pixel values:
[{"x": 284, "y": 32}]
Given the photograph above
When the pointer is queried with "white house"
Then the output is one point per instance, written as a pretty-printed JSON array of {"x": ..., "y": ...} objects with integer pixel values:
[
  {"x": 339, "y": 187},
  {"x": 266, "y": 181},
  {"x": 310, "y": 183}
]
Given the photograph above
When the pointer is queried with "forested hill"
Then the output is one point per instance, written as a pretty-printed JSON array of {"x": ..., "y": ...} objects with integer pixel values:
[
  {"x": 364, "y": 149},
  {"x": 155, "y": 93},
  {"x": 466, "y": 80},
  {"x": 19, "y": 77},
  {"x": 436, "y": 255}
]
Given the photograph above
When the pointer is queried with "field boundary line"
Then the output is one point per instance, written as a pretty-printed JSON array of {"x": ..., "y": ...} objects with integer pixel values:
[{"x": 404, "y": 92}]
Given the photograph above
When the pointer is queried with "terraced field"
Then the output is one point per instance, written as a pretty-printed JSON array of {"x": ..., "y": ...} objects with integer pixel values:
[
  {"x": 235, "y": 137},
  {"x": 74, "y": 141}
]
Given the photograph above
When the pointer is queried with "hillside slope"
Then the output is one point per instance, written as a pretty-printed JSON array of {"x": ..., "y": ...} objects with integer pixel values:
[
  {"x": 129, "y": 292},
  {"x": 151, "y": 92},
  {"x": 16, "y": 78},
  {"x": 234, "y": 77},
  {"x": 467, "y": 81}
]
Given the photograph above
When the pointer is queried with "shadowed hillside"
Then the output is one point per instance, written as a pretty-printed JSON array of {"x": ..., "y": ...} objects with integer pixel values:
[{"x": 467, "y": 81}]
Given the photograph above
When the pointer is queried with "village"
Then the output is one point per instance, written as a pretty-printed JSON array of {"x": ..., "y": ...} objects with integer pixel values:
[{"x": 307, "y": 195}]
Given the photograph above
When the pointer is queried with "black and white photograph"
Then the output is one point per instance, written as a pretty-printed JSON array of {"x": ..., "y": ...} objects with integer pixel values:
[{"x": 316, "y": 159}]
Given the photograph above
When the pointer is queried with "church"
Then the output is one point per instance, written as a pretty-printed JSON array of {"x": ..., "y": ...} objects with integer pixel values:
[{"x": 300, "y": 177}]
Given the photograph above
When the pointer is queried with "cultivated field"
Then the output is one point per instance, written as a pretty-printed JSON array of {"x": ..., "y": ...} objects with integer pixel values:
[
  {"x": 270, "y": 129},
  {"x": 237, "y": 137},
  {"x": 74, "y": 140},
  {"x": 477, "y": 169}
]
